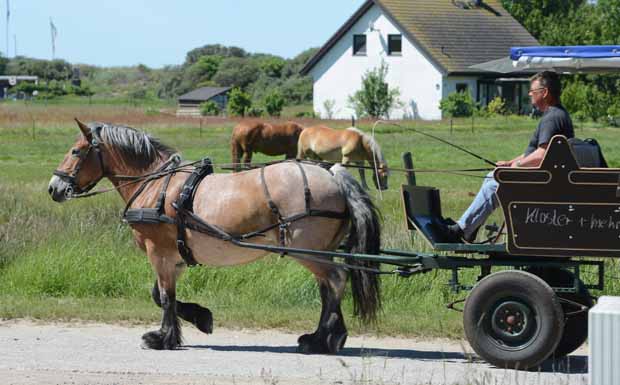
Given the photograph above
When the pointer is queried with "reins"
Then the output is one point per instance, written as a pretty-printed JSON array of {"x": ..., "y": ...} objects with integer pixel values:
[{"x": 438, "y": 139}]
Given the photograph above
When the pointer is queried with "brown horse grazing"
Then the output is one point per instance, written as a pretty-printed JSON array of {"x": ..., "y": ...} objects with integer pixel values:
[
  {"x": 236, "y": 204},
  {"x": 350, "y": 146},
  {"x": 270, "y": 139}
]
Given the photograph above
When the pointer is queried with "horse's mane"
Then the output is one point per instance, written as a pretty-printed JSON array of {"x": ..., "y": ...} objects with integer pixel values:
[
  {"x": 371, "y": 143},
  {"x": 138, "y": 148}
]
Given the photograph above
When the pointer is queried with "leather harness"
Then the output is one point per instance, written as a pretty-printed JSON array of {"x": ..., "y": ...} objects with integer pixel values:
[{"x": 187, "y": 219}]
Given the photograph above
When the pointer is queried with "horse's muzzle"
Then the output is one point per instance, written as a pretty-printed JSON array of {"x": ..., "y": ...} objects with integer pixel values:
[{"x": 58, "y": 189}]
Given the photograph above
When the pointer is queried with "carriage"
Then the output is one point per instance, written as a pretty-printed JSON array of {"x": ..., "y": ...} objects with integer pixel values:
[{"x": 529, "y": 302}]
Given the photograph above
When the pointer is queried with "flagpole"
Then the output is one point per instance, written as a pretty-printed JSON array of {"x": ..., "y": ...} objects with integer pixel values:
[
  {"x": 8, "y": 15},
  {"x": 52, "y": 32}
]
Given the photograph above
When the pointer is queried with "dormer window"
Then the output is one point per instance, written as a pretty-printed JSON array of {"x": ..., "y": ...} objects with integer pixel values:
[
  {"x": 395, "y": 45},
  {"x": 359, "y": 45}
]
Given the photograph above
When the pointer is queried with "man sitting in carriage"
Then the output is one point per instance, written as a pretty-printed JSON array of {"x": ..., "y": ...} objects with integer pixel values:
[{"x": 545, "y": 94}]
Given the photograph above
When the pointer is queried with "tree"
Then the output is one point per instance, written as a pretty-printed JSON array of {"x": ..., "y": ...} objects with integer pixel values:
[
  {"x": 274, "y": 102},
  {"x": 457, "y": 104},
  {"x": 238, "y": 72},
  {"x": 272, "y": 66},
  {"x": 375, "y": 98},
  {"x": 238, "y": 102}
]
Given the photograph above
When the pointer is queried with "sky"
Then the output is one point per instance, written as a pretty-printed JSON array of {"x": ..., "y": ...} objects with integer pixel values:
[{"x": 158, "y": 33}]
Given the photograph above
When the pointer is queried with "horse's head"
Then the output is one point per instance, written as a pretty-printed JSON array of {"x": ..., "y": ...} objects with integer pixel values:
[
  {"x": 81, "y": 168},
  {"x": 381, "y": 175}
]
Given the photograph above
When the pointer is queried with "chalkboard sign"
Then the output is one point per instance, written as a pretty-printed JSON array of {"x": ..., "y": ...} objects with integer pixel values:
[{"x": 559, "y": 209}]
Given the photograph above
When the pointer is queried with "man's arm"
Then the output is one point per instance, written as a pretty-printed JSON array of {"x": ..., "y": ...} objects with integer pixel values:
[
  {"x": 532, "y": 160},
  {"x": 509, "y": 163}
]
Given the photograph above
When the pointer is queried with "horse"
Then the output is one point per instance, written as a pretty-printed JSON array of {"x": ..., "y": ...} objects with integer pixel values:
[
  {"x": 350, "y": 146},
  {"x": 235, "y": 203},
  {"x": 270, "y": 139}
]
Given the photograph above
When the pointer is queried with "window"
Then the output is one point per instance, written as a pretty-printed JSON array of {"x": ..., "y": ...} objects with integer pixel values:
[
  {"x": 395, "y": 45},
  {"x": 359, "y": 45},
  {"x": 461, "y": 87}
]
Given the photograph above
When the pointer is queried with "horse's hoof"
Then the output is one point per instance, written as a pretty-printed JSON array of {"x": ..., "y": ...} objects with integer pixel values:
[
  {"x": 153, "y": 340},
  {"x": 335, "y": 342},
  {"x": 308, "y": 344},
  {"x": 204, "y": 320}
]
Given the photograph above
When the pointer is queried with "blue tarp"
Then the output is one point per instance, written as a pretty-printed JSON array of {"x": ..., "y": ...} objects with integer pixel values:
[{"x": 579, "y": 51}]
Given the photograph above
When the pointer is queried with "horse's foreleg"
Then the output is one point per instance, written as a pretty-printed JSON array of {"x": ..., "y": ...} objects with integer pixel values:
[
  {"x": 169, "y": 335},
  {"x": 247, "y": 157},
  {"x": 362, "y": 174},
  {"x": 199, "y": 316},
  {"x": 331, "y": 332}
]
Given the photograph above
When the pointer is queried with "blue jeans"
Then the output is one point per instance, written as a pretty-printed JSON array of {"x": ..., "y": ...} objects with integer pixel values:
[{"x": 481, "y": 208}]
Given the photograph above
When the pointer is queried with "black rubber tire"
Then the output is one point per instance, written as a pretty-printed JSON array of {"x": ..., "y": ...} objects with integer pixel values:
[
  {"x": 513, "y": 319},
  {"x": 575, "y": 326}
]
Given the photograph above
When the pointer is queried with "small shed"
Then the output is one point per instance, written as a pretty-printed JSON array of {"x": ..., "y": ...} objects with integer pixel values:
[
  {"x": 189, "y": 103},
  {"x": 6, "y": 82}
]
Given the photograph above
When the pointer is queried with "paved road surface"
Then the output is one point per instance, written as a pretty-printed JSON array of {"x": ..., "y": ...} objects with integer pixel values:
[{"x": 35, "y": 353}]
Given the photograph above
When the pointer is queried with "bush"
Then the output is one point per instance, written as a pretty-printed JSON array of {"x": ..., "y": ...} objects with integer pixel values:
[
  {"x": 328, "y": 106},
  {"x": 238, "y": 102},
  {"x": 305, "y": 114},
  {"x": 497, "y": 106},
  {"x": 255, "y": 111},
  {"x": 274, "y": 102},
  {"x": 210, "y": 108},
  {"x": 457, "y": 104},
  {"x": 375, "y": 98}
]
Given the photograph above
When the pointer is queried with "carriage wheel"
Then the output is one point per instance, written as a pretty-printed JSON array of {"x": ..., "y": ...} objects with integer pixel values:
[
  {"x": 513, "y": 319},
  {"x": 575, "y": 325}
]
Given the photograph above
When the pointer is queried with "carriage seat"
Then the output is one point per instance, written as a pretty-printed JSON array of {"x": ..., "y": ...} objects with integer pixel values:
[{"x": 423, "y": 211}]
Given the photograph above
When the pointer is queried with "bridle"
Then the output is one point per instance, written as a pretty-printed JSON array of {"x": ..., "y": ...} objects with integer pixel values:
[{"x": 74, "y": 189}]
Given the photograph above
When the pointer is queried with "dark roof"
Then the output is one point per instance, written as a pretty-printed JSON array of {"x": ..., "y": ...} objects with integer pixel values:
[
  {"x": 453, "y": 33},
  {"x": 203, "y": 94}
]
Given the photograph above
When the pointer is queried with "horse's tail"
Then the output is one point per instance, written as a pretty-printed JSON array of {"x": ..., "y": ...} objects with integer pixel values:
[
  {"x": 236, "y": 151},
  {"x": 364, "y": 237}
]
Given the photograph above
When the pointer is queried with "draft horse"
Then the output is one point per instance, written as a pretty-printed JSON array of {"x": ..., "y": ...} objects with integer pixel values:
[
  {"x": 269, "y": 139},
  {"x": 235, "y": 203},
  {"x": 350, "y": 146}
]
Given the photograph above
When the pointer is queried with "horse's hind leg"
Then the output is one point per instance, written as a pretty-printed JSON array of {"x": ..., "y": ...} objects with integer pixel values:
[
  {"x": 199, "y": 316},
  {"x": 331, "y": 333},
  {"x": 169, "y": 335}
]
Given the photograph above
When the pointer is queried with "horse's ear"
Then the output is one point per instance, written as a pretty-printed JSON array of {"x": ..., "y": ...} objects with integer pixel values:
[{"x": 86, "y": 131}]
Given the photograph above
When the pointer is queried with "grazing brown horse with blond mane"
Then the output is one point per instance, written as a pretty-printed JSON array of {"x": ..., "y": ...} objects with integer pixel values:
[
  {"x": 236, "y": 204},
  {"x": 350, "y": 146},
  {"x": 270, "y": 139}
]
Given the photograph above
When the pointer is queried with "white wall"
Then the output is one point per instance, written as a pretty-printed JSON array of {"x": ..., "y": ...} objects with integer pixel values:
[{"x": 338, "y": 74}]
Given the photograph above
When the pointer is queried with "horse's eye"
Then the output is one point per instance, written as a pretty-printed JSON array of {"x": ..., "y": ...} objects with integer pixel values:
[{"x": 75, "y": 152}]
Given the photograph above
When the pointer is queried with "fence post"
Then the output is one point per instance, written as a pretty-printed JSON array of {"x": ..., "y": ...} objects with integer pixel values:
[
  {"x": 410, "y": 173},
  {"x": 201, "y": 127},
  {"x": 352, "y": 121}
]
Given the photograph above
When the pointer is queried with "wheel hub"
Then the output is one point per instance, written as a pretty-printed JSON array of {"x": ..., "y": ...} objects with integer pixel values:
[{"x": 512, "y": 322}]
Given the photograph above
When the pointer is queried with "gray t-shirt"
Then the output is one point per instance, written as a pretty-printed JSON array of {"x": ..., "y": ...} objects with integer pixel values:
[{"x": 555, "y": 121}]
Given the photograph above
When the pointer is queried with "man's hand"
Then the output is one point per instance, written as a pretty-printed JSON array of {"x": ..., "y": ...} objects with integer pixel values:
[{"x": 504, "y": 163}]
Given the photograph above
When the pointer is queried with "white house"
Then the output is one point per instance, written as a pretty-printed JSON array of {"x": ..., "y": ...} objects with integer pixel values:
[{"x": 428, "y": 46}]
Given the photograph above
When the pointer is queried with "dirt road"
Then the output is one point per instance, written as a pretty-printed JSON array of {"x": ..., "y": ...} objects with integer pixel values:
[{"x": 34, "y": 353}]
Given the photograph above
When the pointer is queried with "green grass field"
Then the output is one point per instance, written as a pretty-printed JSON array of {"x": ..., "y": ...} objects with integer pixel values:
[{"x": 78, "y": 261}]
